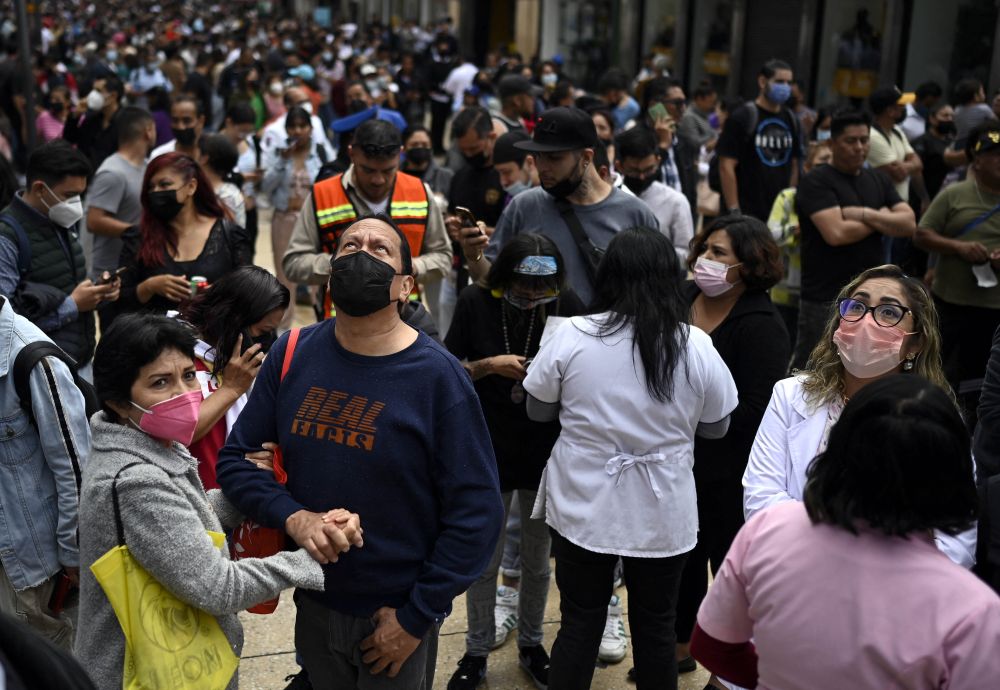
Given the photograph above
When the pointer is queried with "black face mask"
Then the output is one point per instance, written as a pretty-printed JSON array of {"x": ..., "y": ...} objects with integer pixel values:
[
  {"x": 184, "y": 137},
  {"x": 901, "y": 117},
  {"x": 265, "y": 340},
  {"x": 57, "y": 108},
  {"x": 418, "y": 156},
  {"x": 479, "y": 161},
  {"x": 163, "y": 204},
  {"x": 360, "y": 284},
  {"x": 561, "y": 190},
  {"x": 946, "y": 129},
  {"x": 638, "y": 185}
]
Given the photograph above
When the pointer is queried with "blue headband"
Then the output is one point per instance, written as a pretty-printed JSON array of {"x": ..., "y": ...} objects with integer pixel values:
[{"x": 537, "y": 266}]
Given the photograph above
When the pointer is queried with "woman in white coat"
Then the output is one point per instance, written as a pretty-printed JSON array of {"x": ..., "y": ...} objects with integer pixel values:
[{"x": 884, "y": 324}]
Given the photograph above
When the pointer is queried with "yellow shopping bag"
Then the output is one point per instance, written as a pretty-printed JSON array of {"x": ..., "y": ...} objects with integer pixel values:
[{"x": 168, "y": 643}]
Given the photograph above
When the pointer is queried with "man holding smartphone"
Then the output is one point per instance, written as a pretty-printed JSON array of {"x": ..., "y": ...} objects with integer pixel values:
[{"x": 562, "y": 146}]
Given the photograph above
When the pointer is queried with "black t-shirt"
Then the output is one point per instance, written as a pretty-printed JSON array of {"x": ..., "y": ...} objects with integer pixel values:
[
  {"x": 480, "y": 191},
  {"x": 931, "y": 151},
  {"x": 765, "y": 154},
  {"x": 826, "y": 269},
  {"x": 522, "y": 446}
]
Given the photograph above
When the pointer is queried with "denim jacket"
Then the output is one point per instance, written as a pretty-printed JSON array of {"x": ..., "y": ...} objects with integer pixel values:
[
  {"x": 40, "y": 469},
  {"x": 277, "y": 180}
]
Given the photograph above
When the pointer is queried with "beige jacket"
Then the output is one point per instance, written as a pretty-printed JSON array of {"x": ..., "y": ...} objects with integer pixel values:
[{"x": 304, "y": 263}]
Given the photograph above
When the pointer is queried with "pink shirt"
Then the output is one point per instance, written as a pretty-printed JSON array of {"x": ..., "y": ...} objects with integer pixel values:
[
  {"x": 828, "y": 610},
  {"x": 48, "y": 126}
]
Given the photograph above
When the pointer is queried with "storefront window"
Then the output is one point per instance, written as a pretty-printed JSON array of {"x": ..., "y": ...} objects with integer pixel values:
[
  {"x": 950, "y": 41},
  {"x": 712, "y": 43},
  {"x": 659, "y": 30},
  {"x": 586, "y": 38},
  {"x": 851, "y": 51}
]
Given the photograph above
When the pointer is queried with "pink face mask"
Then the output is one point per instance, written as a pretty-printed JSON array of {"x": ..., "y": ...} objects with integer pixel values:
[
  {"x": 710, "y": 276},
  {"x": 868, "y": 350},
  {"x": 174, "y": 419}
]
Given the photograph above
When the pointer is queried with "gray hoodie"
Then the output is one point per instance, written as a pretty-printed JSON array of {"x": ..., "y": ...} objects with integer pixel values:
[{"x": 165, "y": 514}]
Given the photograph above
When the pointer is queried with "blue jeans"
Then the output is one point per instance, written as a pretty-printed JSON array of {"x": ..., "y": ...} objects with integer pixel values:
[{"x": 481, "y": 597}]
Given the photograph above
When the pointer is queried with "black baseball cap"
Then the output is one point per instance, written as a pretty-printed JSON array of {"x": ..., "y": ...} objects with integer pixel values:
[
  {"x": 505, "y": 149},
  {"x": 880, "y": 99},
  {"x": 988, "y": 140},
  {"x": 561, "y": 129}
]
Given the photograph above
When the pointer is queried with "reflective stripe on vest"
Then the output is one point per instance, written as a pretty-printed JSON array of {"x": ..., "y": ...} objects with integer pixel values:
[{"x": 335, "y": 213}]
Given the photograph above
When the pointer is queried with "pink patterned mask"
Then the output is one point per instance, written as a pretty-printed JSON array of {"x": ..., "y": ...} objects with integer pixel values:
[
  {"x": 867, "y": 349},
  {"x": 174, "y": 419}
]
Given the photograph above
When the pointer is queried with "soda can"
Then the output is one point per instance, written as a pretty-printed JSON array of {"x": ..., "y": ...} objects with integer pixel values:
[{"x": 198, "y": 284}]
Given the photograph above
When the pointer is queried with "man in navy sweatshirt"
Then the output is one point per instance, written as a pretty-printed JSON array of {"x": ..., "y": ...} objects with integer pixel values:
[{"x": 374, "y": 416}]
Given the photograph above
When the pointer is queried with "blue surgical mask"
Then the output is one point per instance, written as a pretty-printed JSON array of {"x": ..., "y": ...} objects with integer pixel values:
[
  {"x": 822, "y": 134},
  {"x": 779, "y": 93},
  {"x": 112, "y": 55}
]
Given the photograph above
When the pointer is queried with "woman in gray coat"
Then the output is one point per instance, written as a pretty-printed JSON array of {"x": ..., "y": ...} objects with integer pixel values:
[{"x": 145, "y": 377}]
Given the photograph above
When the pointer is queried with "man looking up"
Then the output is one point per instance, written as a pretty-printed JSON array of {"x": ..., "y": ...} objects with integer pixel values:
[{"x": 378, "y": 416}]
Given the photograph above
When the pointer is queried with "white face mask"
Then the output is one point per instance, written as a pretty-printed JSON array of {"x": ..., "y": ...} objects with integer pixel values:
[
  {"x": 65, "y": 213},
  {"x": 276, "y": 88},
  {"x": 517, "y": 188},
  {"x": 95, "y": 100}
]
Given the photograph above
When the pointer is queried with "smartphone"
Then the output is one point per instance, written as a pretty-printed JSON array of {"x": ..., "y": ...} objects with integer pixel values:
[
  {"x": 114, "y": 275},
  {"x": 658, "y": 112},
  {"x": 468, "y": 219}
]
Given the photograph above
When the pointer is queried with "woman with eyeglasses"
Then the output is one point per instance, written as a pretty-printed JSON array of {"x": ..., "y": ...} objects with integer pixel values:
[{"x": 884, "y": 324}]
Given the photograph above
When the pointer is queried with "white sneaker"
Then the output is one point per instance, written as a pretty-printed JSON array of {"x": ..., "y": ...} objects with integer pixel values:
[
  {"x": 613, "y": 644},
  {"x": 505, "y": 614}
]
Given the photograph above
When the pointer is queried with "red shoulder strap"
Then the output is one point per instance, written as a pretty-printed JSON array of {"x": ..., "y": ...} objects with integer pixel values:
[
  {"x": 293, "y": 339},
  {"x": 279, "y": 460}
]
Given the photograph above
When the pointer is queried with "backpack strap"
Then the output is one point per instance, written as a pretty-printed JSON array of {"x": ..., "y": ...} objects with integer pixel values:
[
  {"x": 29, "y": 356},
  {"x": 279, "y": 462},
  {"x": 23, "y": 246},
  {"x": 26, "y": 360}
]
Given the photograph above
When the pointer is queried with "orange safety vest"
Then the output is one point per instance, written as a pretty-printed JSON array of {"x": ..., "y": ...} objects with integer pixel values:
[{"x": 335, "y": 213}]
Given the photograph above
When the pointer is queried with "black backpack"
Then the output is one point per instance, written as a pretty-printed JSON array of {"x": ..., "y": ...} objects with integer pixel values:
[{"x": 26, "y": 360}]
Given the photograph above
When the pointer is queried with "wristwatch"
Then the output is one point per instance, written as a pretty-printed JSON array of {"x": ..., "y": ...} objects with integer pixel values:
[{"x": 734, "y": 211}]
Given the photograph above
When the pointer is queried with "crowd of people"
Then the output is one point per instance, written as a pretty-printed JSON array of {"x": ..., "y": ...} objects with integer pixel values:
[{"x": 643, "y": 336}]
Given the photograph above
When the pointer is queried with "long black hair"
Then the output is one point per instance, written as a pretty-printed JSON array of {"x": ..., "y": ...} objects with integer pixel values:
[
  {"x": 899, "y": 459},
  {"x": 639, "y": 282},
  {"x": 235, "y": 302}
]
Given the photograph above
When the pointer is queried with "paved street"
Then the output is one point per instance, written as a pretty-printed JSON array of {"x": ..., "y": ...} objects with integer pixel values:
[{"x": 268, "y": 655}]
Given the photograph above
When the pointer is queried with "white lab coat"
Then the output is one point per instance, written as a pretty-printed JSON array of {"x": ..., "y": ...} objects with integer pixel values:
[{"x": 787, "y": 440}]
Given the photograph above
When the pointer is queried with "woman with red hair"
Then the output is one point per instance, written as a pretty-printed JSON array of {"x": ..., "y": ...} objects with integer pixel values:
[{"x": 184, "y": 232}]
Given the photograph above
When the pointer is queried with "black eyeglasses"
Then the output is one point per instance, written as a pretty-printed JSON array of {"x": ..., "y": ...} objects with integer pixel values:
[
  {"x": 676, "y": 102},
  {"x": 886, "y": 315}
]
